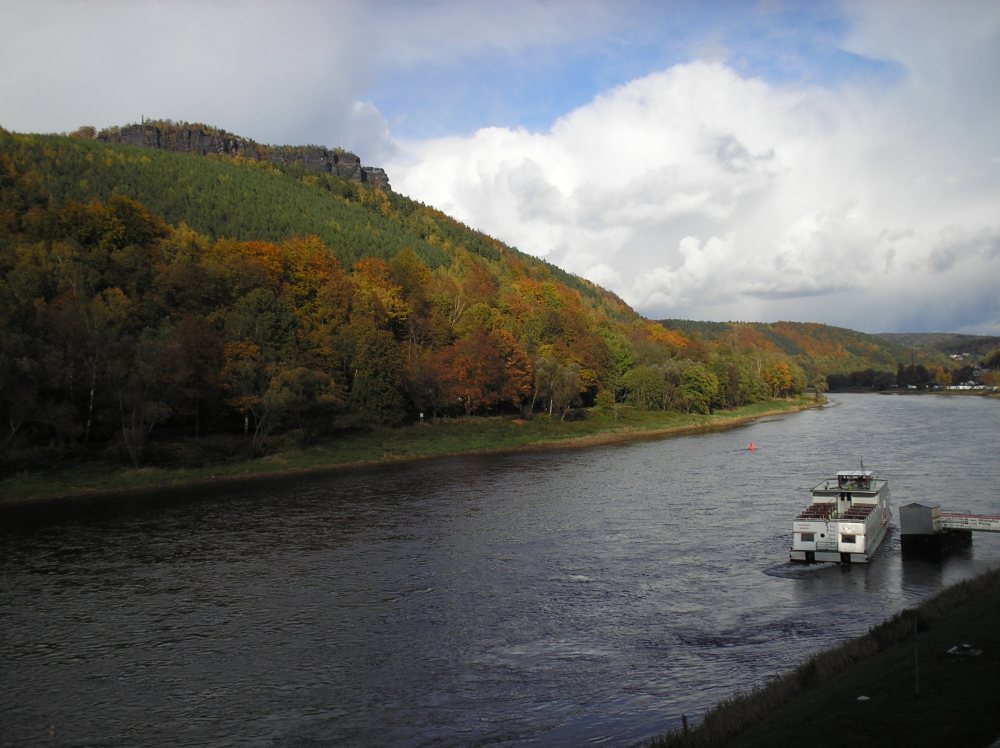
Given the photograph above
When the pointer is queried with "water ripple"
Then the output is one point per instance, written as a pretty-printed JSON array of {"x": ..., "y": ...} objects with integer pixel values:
[{"x": 553, "y": 599}]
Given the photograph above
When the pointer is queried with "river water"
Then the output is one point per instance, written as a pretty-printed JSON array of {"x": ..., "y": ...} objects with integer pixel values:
[{"x": 558, "y": 598}]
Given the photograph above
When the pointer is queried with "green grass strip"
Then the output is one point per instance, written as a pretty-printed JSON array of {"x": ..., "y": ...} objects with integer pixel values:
[{"x": 441, "y": 437}]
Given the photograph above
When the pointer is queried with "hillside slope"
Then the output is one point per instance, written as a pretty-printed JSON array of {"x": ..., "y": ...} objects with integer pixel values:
[{"x": 819, "y": 349}]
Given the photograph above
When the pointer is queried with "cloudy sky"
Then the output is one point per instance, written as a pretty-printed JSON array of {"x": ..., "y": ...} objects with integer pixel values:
[{"x": 834, "y": 162}]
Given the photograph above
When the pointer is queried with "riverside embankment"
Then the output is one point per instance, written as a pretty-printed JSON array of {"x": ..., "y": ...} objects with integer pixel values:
[{"x": 425, "y": 440}]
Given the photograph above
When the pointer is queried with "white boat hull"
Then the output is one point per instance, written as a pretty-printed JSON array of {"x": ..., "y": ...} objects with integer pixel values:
[{"x": 838, "y": 556}]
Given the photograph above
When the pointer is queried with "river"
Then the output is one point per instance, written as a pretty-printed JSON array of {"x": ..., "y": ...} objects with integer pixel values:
[{"x": 555, "y": 598}]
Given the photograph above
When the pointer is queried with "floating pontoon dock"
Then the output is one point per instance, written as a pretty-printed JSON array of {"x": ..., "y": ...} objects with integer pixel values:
[{"x": 926, "y": 530}]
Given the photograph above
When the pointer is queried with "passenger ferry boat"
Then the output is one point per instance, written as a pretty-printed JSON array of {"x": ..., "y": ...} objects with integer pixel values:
[{"x": 845, "y": 521}]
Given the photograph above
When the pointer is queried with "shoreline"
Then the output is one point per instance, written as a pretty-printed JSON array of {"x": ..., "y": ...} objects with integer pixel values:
[
  {"x": 256, "y": 471},
  {"x": 908, "y": 392}
]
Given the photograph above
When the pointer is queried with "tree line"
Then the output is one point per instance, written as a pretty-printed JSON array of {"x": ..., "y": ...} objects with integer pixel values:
[{"x": 917, "y": 376}]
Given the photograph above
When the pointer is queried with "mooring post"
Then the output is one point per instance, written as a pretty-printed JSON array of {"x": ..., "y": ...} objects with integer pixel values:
[
  {"x": 684, "y": 721},
  {"x": 916, "y": 658}
]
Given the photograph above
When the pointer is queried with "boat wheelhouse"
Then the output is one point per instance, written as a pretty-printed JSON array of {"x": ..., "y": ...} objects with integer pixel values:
[{"x": 846, "y": 520}]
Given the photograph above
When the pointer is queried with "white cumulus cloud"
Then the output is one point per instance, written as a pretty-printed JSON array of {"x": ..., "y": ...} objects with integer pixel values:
[{"x": 701, "y": 192}]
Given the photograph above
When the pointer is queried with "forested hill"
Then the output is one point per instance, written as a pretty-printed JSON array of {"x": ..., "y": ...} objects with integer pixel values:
[
  {"x": 151, "y": 300},
  {"x": 146, "y": 294},
  {"x": 818, "y": 349}
]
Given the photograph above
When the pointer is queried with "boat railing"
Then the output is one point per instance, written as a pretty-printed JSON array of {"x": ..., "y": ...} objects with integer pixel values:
[{"x": 967, "y": 521}]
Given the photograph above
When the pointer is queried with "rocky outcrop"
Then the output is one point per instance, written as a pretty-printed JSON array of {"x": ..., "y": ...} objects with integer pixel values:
[
  {"x": 339, "y": 162},
  {"x": 203, "y": 140}
]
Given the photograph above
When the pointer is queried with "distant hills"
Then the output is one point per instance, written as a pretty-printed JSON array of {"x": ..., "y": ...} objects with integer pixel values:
[
  {"x": 170, "y": 281},
  {"x": 947, "y": 343},
  {"x": 824, "y": 349}
]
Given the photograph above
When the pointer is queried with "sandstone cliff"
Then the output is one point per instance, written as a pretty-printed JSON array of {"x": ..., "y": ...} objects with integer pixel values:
[{"x": 204, "y": 140}]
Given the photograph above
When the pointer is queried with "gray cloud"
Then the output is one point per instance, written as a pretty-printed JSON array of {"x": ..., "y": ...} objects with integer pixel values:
[
  {"x": 956, "y": 244},
  {"x": 255, "y": 67}
]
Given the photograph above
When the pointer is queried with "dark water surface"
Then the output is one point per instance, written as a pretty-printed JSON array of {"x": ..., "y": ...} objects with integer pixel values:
[{"x": 589, "y": 596}]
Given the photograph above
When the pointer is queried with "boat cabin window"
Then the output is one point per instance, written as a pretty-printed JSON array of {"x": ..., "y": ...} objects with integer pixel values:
[
  {"x": 848, "y": 538},
  {"x": 807, "y": 537}
]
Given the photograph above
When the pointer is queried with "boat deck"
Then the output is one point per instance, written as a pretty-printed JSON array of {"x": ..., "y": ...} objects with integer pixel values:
[
  {"x": 859, "y": 511},
  {"x": 824, "y": 511},
  {"x": 816, "y": 511}
]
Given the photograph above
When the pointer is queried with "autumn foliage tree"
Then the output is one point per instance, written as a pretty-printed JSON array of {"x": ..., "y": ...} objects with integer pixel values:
[{"x": 485, "y": 371}]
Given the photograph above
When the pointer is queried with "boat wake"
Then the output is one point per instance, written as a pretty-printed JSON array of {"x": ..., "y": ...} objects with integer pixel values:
[{"x": 790, "y": 570}]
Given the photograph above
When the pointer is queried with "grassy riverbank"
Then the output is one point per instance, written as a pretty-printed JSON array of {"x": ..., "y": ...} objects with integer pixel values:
[
  {"x": 933, "y": 699},
  {"x": 380, "y": 445}
]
